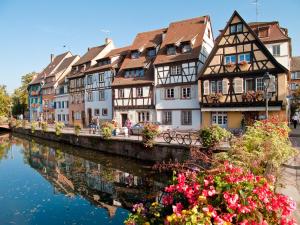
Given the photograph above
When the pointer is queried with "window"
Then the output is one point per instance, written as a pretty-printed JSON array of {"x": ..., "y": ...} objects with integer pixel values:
[
  {"x": 170, "y": 93},
  {"x": 216, "y": 86},
  {"x": 62, "y": 104},
  {"x": 103, "y": 62},
  {"x": 171, "y": 50},
  {"x": 186, "y": 92},
  {"x": 295, "y": 75},
  {"x": 249, "y": 85},
  {"x": 151, "y": 52},
  {"x": 104, "y": 112},
  {"x": 175, "y": 70},
  {"x": 167, "y": 117},
  {"x": 59, "y": 117},
  {"x": 144, "y": 116},
  {"x": 67, "y": 102},
  {"x": 90, "y": 79},
  {"x": 294, "y": 86},
  {"x": 135, "y": 54},
  {"x": 186, "y": 48},
  {"x": 58, "y": 105},
  {"x": 219, "y": 118},
  {"x": 230, "y": 59},
  {"x": 121, "y": 93},
  {"x": 244, "y": 57},
  {"x": 67, "y": 117},
  {"x": 236, "y": 28},
  {"x": 263, "y": 32},
  {"x": 90, "y": 97},
  {"x": 101, "y": 95},
  {"x": 63, "y": 117},
  {"x": 208, "y": 33},
  {"x": 276, "y": 50},
  {"x": 134, "y": 73},
  {"x": 77, "y": 115},
  {"x": 186, "y": 117},
  {"x": 96, "y": 112},
  {"x": 101, "y": 77},
  {"x": 139, "y": 92},
  {"x": 259, "y": 84}
]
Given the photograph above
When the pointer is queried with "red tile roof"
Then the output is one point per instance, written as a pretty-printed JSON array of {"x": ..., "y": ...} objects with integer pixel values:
[
  {"x": 90, "y": 55},
  {"x": 295, "y": 64},
  {"x": 183, "y": 31},
  {"x": 275, "y": 32}
]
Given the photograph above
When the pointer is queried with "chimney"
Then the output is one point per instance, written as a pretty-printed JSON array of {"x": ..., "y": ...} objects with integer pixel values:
[
  {"x": 51, "y": 57},
  {"x": 89, "y": 49},
  {"x": 107, "y": 41}
]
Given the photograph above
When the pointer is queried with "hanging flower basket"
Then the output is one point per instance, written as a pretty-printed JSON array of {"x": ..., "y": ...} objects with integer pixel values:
[{"x": 215, "y": 97}]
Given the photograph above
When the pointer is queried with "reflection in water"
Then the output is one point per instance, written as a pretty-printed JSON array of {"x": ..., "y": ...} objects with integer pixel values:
[{"x": 71, "y": 178}]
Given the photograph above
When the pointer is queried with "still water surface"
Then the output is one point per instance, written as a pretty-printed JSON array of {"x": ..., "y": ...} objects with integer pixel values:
[{"x": 48, "y": 183}]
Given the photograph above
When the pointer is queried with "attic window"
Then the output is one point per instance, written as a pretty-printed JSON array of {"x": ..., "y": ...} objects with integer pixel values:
[
  {"x": 186, "y": 48},
  {"x": 104, "y": 62},
  {"x": 151, "y": 52},
  {"x": 263, "y": 32},
  {"x": 135, "y": 55},
  {"x": 236, "y": 28},
  {"x": 134, "y": 73},
  {"x": 171, "y": 50}
]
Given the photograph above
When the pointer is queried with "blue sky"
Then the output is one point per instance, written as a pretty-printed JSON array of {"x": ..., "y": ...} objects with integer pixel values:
[{"x": 33, "y": 29}]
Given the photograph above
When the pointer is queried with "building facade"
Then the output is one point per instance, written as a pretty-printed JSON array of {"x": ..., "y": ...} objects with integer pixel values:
[
  {"x": 61, "y": 102},
  {"x": 185, "y": 48},
  {"x": 34, "y": 101},
  {"x": 231, "y": 81},
  {"x": 98, "y": 80},
  {"x": 133, "y": 87},
  {"x": 77, "y": 82}
]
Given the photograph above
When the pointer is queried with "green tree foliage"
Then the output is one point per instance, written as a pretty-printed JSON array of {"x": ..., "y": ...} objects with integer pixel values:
[
  {"x": 4, "y": 101},
  {"x": 20, "y": 95}
]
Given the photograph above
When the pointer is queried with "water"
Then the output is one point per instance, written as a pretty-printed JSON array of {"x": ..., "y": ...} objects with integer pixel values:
[{"x": 48, "y": 183}]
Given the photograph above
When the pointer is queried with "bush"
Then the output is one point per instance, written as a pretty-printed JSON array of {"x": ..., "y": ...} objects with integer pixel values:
[
  {"x": 24, "y": 123},
  {"x": 225, "y": 195},
  {"x": 3, "y": 120},
  {"x": 77, "y": 129},
  {"x": 18, "y": 123},
  {"x": 263, "y": 148},
  {"x": 213, "y": 135},
  {"x": 149, "y": 133},
  {"x": 58, "y": 127},
  {"x": 106, "y": 129},
  {"x": 44, "y": 126},
  {"x": 33, "y": 126}
]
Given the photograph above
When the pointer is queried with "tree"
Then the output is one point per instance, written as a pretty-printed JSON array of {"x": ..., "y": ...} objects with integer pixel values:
[
  {"x": 20, "y": 95},
  {"x": 4, "y": 101}
]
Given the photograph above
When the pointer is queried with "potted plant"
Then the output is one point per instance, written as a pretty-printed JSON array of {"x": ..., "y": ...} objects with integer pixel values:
[
  {"x": 244, "y": 65},
  {"x": 44, "y": 126},
  {"x": 259, "y": 95},
  {"x": 24, "y": 124},
  {"x": 149, "y": 133},
  {"x": 18, "y": 123},
  {"x": 107, "y": 129},
  {"x": 215, "y": 97},
  {"x": 58, "y": 127},
  {"x": 230, "y": 66},
  {"x": 213, "y": 135},
  {"x": 33, "y": 126},
  {"x": 77, "y": 129}
]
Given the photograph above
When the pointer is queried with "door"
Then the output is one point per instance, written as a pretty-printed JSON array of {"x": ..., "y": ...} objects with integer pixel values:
[
  {"x": 90, "y": 115},
  {"x": 219, "y": 118},
  {"x": 83, "y": 118},
  {"x": 124, "y": 118}
]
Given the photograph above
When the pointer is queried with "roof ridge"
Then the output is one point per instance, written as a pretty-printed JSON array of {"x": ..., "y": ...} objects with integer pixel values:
[{"x": 190, "y": 19}]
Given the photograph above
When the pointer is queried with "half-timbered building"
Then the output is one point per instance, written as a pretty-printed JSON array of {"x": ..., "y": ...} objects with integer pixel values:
[
  {"x": 185, "y": 47},
  {"x": 231, "y": 81},
  {"x": 98, "y": 85},
  {"x": 76, "y": 79},
  {"x": 133, "y": 94}
]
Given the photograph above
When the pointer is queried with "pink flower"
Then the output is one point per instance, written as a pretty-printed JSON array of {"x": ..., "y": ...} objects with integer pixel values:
[{"x": 177, "y": 208}]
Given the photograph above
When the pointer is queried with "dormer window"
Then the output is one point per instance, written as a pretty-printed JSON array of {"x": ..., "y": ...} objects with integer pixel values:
[
  {"x": 263, "y": 32},
  {"x": 236, "y": 28},
  {"x": 103, "y": 62},
  {"x": 135, "y": 54},
  {"x": 151, "y": 52},
  {"x": 186, "y": 48},
  {"x": 171, "y": 50},
  {"x": 134, "y": 73}
]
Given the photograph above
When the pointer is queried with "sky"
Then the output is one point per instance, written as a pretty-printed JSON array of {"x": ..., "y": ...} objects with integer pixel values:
[{"x": 33, "y": 29}]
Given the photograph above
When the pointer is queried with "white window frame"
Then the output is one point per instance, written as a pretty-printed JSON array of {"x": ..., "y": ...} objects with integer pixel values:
[
  {"x": 167, "y": 118},
  {"x": 261, "y": 86},
  {"x": 186, "y": 92},
  {"x": 101, "y": 95},
  {"x": 229, "y": 59},
  {"x": 101, "y": 77},
  {"x": 139, "y": 92},
  {"x": 175, "y": 70},
  {"x": 243, "y": 57},
  {"x": 295, "y": 75},
  {"x": 170, "y": 93},
  {"x": 186, "y": 117},
  {"x": 276, "y": 50},
  {"x": 216, "y": 117},
  {"x": 144, "y": 116},
  {"x": 216, "y": 86},
  {"x": 103, "y": 112},
  {"x": 121, "y": 93},
  {"x": 90, "y": 96}
]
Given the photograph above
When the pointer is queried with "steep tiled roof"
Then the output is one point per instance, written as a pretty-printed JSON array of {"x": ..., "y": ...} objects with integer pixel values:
[
  {"x": 50, "y": 68},
  {"x": 295, "y": 64},
  {"x": 90, "y": 55},
  {"x": 118, "y": 51},
  {"x": 183, "y": 31},
  {"x": 275, "y": 32}
]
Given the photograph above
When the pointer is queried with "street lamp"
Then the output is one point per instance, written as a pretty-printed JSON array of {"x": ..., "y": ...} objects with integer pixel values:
[{"x": 267, "y": 79}]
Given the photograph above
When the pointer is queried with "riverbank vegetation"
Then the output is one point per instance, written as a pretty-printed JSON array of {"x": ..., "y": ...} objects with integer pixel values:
[{"x": 238, "y": 186}]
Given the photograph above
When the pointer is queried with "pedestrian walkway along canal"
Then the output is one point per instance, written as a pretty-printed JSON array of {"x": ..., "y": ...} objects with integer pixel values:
[{"x": 48, "y": 183}]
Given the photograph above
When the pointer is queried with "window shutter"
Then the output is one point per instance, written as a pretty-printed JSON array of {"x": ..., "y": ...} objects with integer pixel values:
[
  {"x": 194, "y": 91},
  {"x": 162, "y": 93},
  {"x": 116, "y": 93},
  {"x": 238, "y": 85},
  {"x": 225, "y": 86},
  {"x": 206, "y": 87},
  {"x": 134, "y": 92},
  {"x": 272, "y": 85}
]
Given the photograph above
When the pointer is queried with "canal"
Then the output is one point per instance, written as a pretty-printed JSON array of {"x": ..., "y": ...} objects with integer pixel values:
[{"x": 50, "y": 183}]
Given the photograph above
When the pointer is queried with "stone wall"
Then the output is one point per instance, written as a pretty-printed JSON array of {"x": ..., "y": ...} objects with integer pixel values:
[{"x": 123, "y": 147}]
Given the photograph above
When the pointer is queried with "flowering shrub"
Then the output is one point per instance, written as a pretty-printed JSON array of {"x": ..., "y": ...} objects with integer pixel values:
[
  {"x": 58, "y": 127},
  {"x": 33, "y": 126},
  {"x": 215, "y": 97},
  {"x": 18, "y": 123},
  {"x": 77, "y": 129},
  {"x": 106, "y": 129},
  {"x": 24, "y": 123},
  {"x": 226, "y": 195},
  {"x": 149, "y": 133},
  {"x": 263, "y": 148},
  {"x": 213, "y": 135},
  {"x": 44, "y": 126}
]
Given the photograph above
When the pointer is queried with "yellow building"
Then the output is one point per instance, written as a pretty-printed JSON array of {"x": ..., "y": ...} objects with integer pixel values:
[{"x": 231, "y": 82}]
